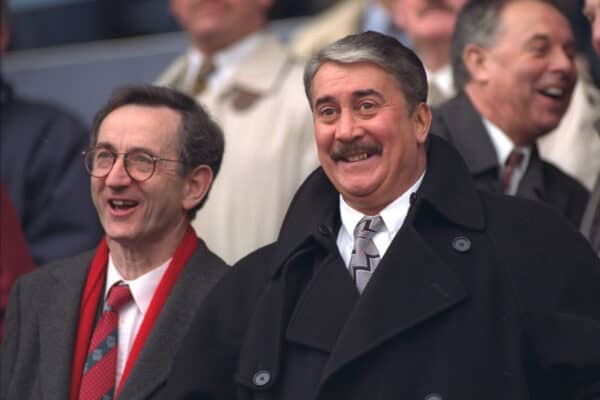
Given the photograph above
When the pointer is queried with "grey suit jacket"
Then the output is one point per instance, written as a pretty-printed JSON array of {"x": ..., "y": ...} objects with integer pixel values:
[
  {"x": 458, "y": 121},
  {"x": 41, "y": 327}
]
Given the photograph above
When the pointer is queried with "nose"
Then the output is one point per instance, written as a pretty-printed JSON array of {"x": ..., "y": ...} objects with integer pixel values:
[
  {"x": 346, "y": 129},
  {"x": 563, "y": 62},
  {"x": 118, "y": 175}
]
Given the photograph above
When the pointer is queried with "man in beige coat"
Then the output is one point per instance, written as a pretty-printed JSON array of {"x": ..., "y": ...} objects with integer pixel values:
[
  {"x": 343, "y": 18},
  {"x": 255, "y": 94}
]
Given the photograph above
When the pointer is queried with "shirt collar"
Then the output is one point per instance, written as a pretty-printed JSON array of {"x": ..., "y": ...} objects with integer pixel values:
[
  {"x": 393, "y": 214},
  {"x": 503, "y": 145},
  {"x": 142, "y": 288},
  {"x": 443, "y": 79},
  {"x": 225, "y": 60}
]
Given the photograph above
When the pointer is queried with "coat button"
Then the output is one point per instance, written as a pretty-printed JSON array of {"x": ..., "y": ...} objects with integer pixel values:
[
  {"x": 324, "y": 230},
  {"x": 261, "y": 378},
  {"x": 461, "y": 244},
  {"x": 433, "y": 396}
]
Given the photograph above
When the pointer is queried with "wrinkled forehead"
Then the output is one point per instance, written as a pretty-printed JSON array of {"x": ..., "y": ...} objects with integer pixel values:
[{"x": 140, "y": 126}]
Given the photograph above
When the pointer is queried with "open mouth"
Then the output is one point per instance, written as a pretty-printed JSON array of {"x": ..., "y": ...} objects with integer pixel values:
[
  {"x": 553, "y": 92},
  {"x": 354, "y": 153},
  {"x": 122, "y": 204}
]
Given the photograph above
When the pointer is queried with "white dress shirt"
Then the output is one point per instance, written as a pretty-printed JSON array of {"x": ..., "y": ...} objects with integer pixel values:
[
  {"x": 442, "y": 79},
  {"x": 504, "y": 146},
  {"x": 131, "y": 316},
  {"x": 393, "y": 216}
]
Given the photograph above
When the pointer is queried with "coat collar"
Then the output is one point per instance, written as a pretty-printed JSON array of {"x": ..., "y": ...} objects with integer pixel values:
[
  {"x": 468, "y": 134},
  {"x": 446, "y": 186},
  {"x": 249, "y": 76},
  {"x": 58, "y": 324},
  {"x": 470, "y": 137}
]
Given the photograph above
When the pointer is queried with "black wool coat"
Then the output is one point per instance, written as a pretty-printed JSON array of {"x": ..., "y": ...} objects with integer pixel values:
[{"x": 478, "y": 296}]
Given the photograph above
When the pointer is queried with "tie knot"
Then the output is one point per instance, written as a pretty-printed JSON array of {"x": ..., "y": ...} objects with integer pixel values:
[
  {"x": 118, "y": 297},
  {"x": 367, "y": 227},
  {"x": 207, "y": 68},
  {"x": 515, "y": 158}
]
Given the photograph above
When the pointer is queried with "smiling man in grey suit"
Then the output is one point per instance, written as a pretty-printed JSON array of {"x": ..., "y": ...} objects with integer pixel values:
[
  {"x": 513, "y": 63},
  {"x": 107, "y": 322}
]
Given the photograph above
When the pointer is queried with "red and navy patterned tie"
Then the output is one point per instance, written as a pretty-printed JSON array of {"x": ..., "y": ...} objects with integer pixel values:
[
  {"x": 365, "y": 256},
  {"x": 99, "y": 374},
  {"x": 514, "y": 160}
]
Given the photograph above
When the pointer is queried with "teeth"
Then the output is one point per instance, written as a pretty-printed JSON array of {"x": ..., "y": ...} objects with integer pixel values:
[
  {"x": 358, "y": 157},
  {"x": 123, "y": 203},
  {"x": 554, "y": 91}
]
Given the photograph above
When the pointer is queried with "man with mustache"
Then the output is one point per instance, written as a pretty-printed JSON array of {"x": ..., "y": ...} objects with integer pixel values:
[
  {"x": 513, "y": 61},
  {"x": 394, "y": 277}
]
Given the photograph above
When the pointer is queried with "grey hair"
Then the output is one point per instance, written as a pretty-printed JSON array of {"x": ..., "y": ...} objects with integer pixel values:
[
  {"x": 201, "y": 139},
  {"x": 381, "y": 50}
]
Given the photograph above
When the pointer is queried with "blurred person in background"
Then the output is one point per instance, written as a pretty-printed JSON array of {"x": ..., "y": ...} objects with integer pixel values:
[
  {"x": 40, "y": 164},
  {"x": 15, "y": 259},
  {"x": 341, "y": 19},
  {"x": 590, "y": 225},
  {"x": 514, "y": 63},
  {"x": 429, "y": 25},
  {"x": 252, "y": 87},
  {"x": 574, "y": 146}
]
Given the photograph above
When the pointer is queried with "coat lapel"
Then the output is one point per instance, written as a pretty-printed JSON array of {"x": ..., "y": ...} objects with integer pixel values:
[
  {"x": 58, "y": 326},
  {"x": 154, "y": 363},
  {"x": 319, "y": 306},
  {"x": 411, "y": 285},
  {"x": 469, "y": 136}
]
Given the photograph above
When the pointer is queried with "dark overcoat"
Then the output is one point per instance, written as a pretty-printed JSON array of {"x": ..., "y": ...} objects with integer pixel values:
[
  {"x": 458, "y": 121},
  {"x": 478, "y": 296}
]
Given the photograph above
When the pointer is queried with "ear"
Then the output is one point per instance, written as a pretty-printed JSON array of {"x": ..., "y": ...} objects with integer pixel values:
[
  {"x": 421, "y": 122},
  {"x": 475, "y": 59},
  {"x": 197, "y": 183}
]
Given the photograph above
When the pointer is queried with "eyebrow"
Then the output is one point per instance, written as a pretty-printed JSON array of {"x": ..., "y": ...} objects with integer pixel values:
[
  {"x": 111, "y": 147},
  {"x": 356, "y": 94}
]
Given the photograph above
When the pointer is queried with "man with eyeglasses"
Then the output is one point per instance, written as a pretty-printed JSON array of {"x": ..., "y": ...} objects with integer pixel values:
[{"x": 107, "y": 323}]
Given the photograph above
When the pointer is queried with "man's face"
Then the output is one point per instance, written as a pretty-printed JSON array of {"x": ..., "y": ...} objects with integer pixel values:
[
  {"x": 140, "y": 212},
  {"x": 592, "y": 12},
  {"x": 371, "y": 149},
  {"x": 220, "y": 21},
  {"x": 530, "y": 71},
  {"x": 427, "y": 20}
]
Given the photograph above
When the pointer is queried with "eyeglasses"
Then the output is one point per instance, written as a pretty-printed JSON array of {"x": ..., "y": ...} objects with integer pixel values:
[{"x": 139, "y": 165}]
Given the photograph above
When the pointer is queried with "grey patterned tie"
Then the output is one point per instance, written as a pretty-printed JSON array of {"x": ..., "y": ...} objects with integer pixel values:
[{"x": 365, "y": 256}]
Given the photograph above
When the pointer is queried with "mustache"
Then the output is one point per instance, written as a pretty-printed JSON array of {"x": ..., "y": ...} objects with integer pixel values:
[{"x": 343, "y": 150}]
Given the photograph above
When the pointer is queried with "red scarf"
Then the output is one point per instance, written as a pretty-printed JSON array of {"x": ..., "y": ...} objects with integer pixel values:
[{"x": 91, "y": 297}]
